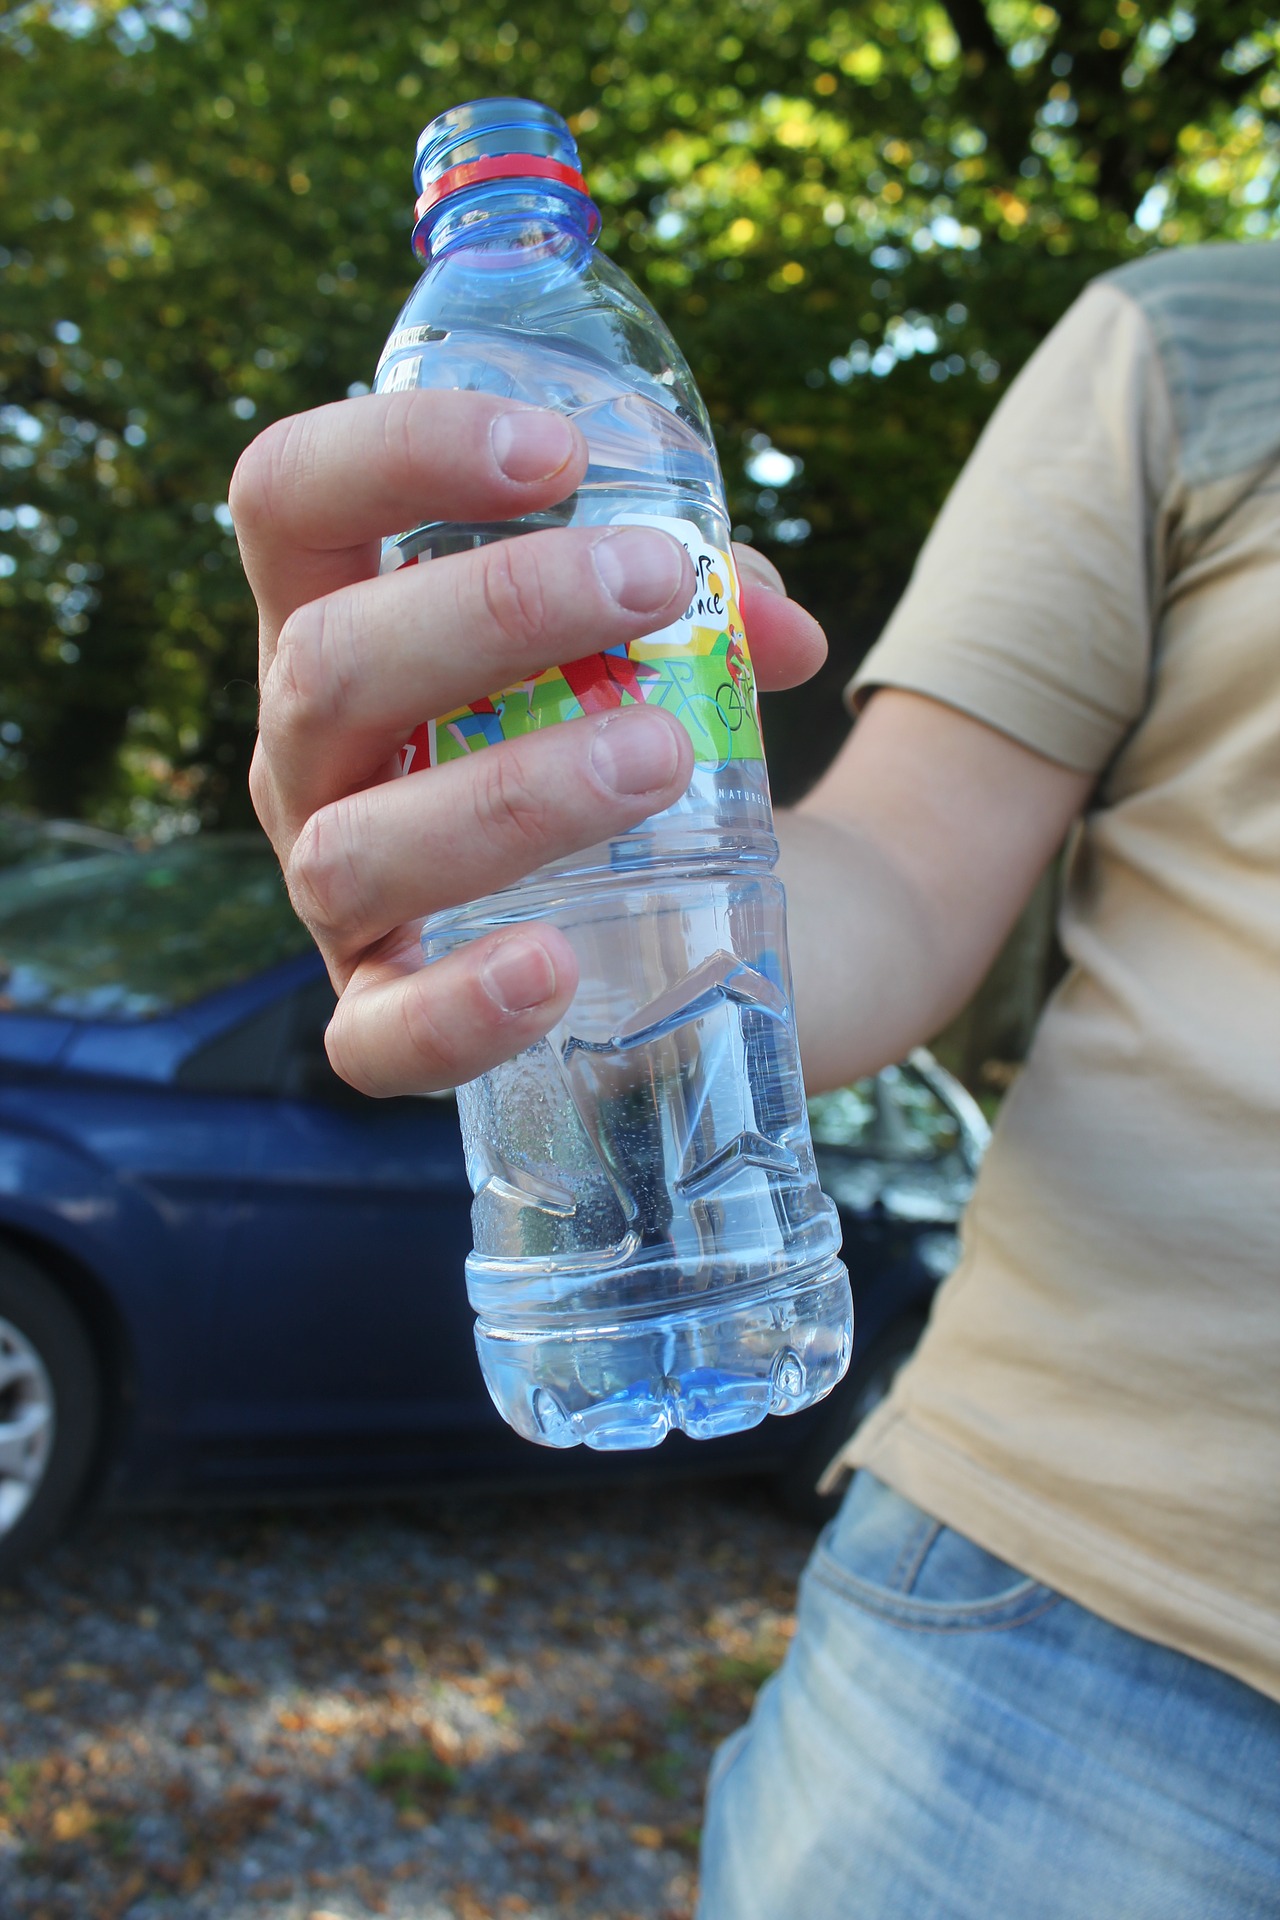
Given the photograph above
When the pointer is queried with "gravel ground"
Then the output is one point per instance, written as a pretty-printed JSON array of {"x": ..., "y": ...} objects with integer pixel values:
[{"x": 498, "y": 1709}]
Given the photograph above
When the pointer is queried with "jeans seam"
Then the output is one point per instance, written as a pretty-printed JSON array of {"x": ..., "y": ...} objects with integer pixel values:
[
  {"x": 913, "y": 1571},
  {"x": 967, "y": 1616},
  {"x": 826, "y": 1563},
  {"x": 907, "y": 1565}
]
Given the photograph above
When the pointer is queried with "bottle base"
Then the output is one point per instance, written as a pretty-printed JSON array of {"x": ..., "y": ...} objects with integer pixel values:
[{"x": 627, "y": 1386}]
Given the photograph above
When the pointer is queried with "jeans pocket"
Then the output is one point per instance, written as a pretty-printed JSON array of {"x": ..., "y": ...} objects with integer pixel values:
[{"x": 888, "y": 1557}]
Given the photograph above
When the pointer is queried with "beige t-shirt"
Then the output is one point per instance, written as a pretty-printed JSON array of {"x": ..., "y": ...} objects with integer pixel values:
[{"x": 1097, "y": 1398}]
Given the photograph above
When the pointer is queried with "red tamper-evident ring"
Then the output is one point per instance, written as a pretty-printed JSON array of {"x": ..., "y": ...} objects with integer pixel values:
[{"x": 497, "y": 166}]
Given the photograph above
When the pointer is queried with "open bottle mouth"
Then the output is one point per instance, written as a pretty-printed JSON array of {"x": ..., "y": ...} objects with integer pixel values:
[{"x": 493, "y": 140}]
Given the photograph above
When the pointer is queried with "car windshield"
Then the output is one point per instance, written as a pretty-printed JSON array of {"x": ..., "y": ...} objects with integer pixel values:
[
  {"x": 26, "y": 842},
  {"x": 132, "y": 936},
  {"x": 893, "y": 1114}
]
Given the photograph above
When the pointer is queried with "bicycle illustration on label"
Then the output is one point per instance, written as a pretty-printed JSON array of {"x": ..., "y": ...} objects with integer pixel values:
[{"x": 711, "y": 716}]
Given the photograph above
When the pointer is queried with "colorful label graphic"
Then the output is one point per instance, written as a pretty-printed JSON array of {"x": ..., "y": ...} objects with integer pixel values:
[{"x": 698, "y": 668}]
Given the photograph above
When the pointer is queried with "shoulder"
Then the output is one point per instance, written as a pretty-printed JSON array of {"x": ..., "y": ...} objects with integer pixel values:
[
  {"x": 1177, "y": 281},
  {"x": 1214, "y": 316}
]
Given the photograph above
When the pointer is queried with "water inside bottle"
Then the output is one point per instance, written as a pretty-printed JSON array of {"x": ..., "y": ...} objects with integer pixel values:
[{"x": 652, "y": 1248}]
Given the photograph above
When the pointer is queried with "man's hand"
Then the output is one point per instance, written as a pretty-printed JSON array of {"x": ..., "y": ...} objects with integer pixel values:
[{"x": 351, "y": 664}]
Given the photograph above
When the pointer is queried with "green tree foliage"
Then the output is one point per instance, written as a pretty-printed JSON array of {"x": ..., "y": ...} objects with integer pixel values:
[{"x": 859, "y": 221}]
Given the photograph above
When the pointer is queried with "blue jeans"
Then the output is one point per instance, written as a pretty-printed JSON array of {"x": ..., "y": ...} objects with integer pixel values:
[{"x": 948, "y": 1740}]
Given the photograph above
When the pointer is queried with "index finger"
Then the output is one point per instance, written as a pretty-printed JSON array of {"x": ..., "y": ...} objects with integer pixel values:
[
  {"x": 313, "y": 495},
  {"x": 787, "y": 644}
]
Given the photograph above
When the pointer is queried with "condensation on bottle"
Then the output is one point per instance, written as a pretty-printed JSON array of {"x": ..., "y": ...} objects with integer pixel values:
[{"x": 652, "y": 1248}]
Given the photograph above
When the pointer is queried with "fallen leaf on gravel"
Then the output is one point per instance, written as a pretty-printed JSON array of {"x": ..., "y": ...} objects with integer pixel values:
[
  {"x": 123, "y": 1898},
  {"x": 467, "y": 1906},
  {"x": 194, "y": 1873},
  {"x": 40, "y": 1700},
  {"x": 237, "y": 1818},
  {"x": 73, "y": 1821},
  {"x": 229, "y": 1684},
  {"x": 370, "y": 1892},
  {"x": 651, "y": 1837}
]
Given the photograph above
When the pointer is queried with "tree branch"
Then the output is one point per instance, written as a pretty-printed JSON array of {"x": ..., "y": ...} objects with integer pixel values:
[{"x": 974, "y": 31}]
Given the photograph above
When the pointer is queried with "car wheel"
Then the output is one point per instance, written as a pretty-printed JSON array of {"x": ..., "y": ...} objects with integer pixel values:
[
  {"x": 865, "y": 1385},
  {"x": 50, "y": 1402}
]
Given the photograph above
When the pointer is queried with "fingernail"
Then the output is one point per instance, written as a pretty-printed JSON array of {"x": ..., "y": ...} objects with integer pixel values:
[
  {"x": 518, "y": 974},
  {"x": 531, "y": 445},
  {"x": 756, "y": 571},
  {"x": 640, "y": 570},
  {"x": 635, "y": 752}
]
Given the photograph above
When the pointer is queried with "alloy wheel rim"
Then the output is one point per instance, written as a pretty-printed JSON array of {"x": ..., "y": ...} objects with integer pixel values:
[{"x": 27, "y": 1424}]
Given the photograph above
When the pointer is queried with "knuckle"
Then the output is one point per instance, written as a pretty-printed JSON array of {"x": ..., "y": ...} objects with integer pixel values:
[
  {"x": 431, "y": 1042},
  {"x": 262, "y": 790},
  {"x": 406, "y": 425},
  {"x": 509, "y": 803},
  {"x": 515, "y": 592},
  {"x": 285, "y": 682},
  {"x": 259, "y": 482},
  {"x": 323, "y": 873},
  {"x": 367, "y": 1030},
  {"x": 342, "y": 1046},
  {"x": 248, "y": 493},
  {"x": 312, "y": 675}
]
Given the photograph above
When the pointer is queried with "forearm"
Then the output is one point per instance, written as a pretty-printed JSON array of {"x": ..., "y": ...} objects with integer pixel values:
[
  {"x": 905, "y": 869},
  {"x": 874, "y": 972}
]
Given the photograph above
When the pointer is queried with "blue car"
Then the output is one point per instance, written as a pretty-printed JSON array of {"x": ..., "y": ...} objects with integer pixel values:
[{"x": 224, "y": 1273}]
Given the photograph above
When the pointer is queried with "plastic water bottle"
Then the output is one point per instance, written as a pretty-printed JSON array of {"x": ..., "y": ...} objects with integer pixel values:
[{"x": 652, "y": 1248}]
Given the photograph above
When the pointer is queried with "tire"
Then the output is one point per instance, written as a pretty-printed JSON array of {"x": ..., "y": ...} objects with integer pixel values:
[
  {"x": 865, "y": 1385},
  {"x": 50, "y": 1411}
]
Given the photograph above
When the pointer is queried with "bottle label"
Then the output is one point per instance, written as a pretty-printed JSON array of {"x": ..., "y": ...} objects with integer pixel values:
[{"x": 698, "y": 668}]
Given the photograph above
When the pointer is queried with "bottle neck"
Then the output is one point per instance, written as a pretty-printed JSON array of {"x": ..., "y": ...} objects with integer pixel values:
[{"x": 513, "y": 217}]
